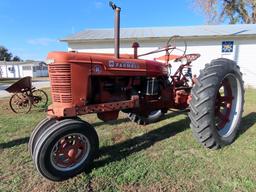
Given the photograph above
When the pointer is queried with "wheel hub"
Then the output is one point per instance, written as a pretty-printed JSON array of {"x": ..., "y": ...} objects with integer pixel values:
[
  {"x": 227, "y": 105},
  {"x": 70, "y": 151},
  {"x": 223, "y": 104}
]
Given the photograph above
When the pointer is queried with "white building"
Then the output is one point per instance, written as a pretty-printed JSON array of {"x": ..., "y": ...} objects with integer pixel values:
[
  {"x": 14, "y": 69},
  {"x": 236, "y": 42}
]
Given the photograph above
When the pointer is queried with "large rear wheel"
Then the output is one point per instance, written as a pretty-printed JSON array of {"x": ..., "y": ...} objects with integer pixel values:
[{"x": 217, "y": 104}]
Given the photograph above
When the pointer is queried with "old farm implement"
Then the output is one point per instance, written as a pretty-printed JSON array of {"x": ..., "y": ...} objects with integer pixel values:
[
  {"x": 25, "y": 96},
  {"x": 63, "y": 145}
]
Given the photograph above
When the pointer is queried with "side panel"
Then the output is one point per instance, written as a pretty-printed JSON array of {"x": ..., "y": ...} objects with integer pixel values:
[
  {"x": 155, "y": 69},
  {"x": 118, "y": 67},
  {"x": 80, "y": 74}
]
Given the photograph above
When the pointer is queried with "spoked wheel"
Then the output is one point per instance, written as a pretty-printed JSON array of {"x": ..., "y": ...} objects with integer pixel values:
[
  {"x": 154, "y": 116},
  {"x": 20, "y": 103},
  {"x": 40, "y": 98},
  {"x": 217, "y": 104},
  {"x": 65, "y": 149}
]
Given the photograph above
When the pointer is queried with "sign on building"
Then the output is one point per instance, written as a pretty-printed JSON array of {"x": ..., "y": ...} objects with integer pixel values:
[{"x": 227, "y": 46}]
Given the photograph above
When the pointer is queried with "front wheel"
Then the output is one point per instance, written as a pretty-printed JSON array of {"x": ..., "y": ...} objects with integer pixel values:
[
  {"x": 65, "y": 149},
  {"x": 217, "y": 104},
  {"x": 41, "y": 127}
]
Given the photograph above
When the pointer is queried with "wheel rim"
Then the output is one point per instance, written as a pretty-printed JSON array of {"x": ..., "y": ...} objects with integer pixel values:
[
  {"x": 228, "y": 105},
  {"x": 153, "y": 112},
  {"x": 20, "y": 103},
  {"x": 70, "y": 151},
  {"x": 39, "y": 99}
]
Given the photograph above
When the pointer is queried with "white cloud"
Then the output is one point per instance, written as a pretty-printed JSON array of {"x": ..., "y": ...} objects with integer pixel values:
[{"x": 42, "y": 41}]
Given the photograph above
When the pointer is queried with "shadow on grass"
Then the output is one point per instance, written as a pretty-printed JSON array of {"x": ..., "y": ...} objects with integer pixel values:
[
  {"x": 26, "y": 139},
  {"x": 115, "y": 122},
  {"x": 125, "y": 120},
  {"x": 247, "y": 122},
  {"x": 121, "y": 150},
  {"x": 14, "y": 143}
]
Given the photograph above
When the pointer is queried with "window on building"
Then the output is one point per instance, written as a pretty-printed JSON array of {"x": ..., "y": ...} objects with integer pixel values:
[
  {"x": 26, "y": 68},
  {"x": 45, "y": 68},
  {"x": 11, "y": 69},
  {"x": 39, "y": 68}
]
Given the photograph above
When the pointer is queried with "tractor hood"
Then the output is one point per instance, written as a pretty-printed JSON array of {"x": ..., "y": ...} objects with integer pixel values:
[{"x": 107, "y": 64}]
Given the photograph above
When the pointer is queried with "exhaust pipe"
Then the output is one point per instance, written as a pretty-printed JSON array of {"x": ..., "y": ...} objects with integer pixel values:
[{"x": 117, "y": 28}]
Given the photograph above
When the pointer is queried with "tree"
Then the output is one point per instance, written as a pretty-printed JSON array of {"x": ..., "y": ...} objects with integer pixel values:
[
  {"x": 5, "y": 55},
  {"x": 235, "y": 11},
  {"x": 16, "y": 58}
]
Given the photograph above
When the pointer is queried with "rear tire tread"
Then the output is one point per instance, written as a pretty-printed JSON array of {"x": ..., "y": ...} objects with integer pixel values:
[{"x": 202, "y": 99}]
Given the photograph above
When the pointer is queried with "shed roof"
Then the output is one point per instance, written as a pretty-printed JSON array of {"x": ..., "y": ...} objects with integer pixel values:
[{"x": 165, "y": 32}]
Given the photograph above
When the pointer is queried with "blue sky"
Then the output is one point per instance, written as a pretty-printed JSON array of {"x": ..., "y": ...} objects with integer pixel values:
[{"x": 31, "y": 28}]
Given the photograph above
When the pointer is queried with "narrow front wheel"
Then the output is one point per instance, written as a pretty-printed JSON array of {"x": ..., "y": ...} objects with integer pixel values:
[
  {"x": 41, "y": 127},
  {"x": 65, "y": 149}
]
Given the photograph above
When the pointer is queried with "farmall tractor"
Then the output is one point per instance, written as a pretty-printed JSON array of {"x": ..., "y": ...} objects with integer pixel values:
[{"x": 62, "y": 145}]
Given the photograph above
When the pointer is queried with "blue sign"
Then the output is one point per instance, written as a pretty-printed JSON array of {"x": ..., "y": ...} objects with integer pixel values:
[{"x": 227, "y": 46}]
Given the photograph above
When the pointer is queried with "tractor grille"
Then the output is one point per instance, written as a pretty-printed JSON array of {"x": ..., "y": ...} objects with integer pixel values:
[{"x": 60, "y": 76}]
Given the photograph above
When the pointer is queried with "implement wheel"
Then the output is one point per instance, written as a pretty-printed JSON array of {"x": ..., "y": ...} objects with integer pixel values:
[
  {"x": 40, "y": 98},
  {"x": 20, "y": 103},
  {"x": 65, "y": 149},
  {"x": 217, "y": 104}
]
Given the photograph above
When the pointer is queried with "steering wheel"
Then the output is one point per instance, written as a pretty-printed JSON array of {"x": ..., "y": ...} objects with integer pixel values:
[
  {"x": 172, "y": 43},
  {"x": 189, "y": 57},
  {"x": 170, "y": 47}
]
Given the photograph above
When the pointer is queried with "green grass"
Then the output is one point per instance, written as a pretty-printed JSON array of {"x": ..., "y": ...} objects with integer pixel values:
[{"x": 159, "y": 157}]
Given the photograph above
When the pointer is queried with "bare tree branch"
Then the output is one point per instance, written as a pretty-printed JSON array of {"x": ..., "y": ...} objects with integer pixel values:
[{"x": 235, "y": 11}]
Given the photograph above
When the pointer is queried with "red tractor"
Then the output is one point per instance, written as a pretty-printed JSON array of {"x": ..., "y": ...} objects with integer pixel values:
[{"x": 62, "y": 145}]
